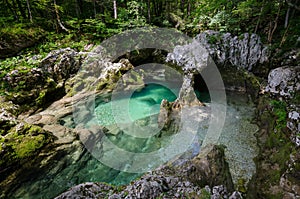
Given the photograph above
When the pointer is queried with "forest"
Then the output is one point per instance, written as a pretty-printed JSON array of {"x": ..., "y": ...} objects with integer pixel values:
[{"x": 277, "y": 21}]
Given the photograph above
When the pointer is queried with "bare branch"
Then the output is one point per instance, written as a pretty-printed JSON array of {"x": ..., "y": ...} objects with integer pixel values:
[{"x": 292, "y": 5}]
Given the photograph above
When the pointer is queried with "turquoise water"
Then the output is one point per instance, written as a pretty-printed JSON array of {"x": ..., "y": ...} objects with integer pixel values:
[
  {"x": 147, "y": 101},
  {"x": 142, "y": 103},
  {"x": 143, "y": 108}
]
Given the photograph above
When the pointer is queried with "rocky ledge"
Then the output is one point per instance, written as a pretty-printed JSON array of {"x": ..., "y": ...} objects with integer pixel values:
[{"x": 192, "y": 179}]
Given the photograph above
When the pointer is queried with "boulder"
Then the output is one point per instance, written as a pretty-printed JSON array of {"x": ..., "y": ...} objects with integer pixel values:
[
  {"x": 88, "y": 190},
  {"x": 284, "y": 81},
  {"x": 12, "y": 46},
  {"x": 209, "y": 167},
  {"x": 192, "y": 179},
  {"x": 61, "y": 64},
  {"x": 246, "y": 51},
  {"x": 235, "y": 58}
]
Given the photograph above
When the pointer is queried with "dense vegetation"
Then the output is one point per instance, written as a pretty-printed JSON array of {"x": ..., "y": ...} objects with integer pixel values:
[
  {"x": 46, "y": 25},
  {"x": 30, "y": 29},
  {"x": 274, "y": 19}
]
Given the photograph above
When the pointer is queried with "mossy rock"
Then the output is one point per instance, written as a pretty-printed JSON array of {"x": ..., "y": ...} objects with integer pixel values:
[
  {"x": 21, "y": 142},
  {"x": 17, "y": 37},
  {"x": 240, "y": 80},
  {"x": 275, "y": 148}
]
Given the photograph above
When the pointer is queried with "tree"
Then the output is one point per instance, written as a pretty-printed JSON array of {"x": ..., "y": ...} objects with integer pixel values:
[
  {"x": 149, "y": 11},
  {"x": 115, "y": 9},
  {"x": 57, "y": 17},
  {"x": 29, "y": 11}
]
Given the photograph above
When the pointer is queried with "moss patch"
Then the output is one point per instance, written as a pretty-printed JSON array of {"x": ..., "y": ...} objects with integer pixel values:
[
  {"x": 22, "y": 141},
  {"x": 275, "y": 148}
]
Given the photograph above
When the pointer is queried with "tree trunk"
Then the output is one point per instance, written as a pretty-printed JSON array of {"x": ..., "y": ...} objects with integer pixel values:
[
  {"x": 189, "y": 8},
  {"x": 160, "y": 8},
  {"x": 149, "y": 11},
  {"x": 259, "y": 18},
  {"x": 286, "y": 21},
  {"x": 102, "y": 12},
  {"x": 58, "y": 18},
  {"x": 115, "y": 9},
  {"x": 271, "y": 32},
  {"x": 182, "y": 6},
  {"x": 95, "y": 11},
  {"x": 125, "y": 2},
  {"x": 293, "y": 5},
  {"x": 79, "y": 6},
  {"x": 155, "y": 8},
  {"x": 29, "y": 11}
]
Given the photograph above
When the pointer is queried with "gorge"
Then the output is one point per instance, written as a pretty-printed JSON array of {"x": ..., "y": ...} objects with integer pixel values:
[{"x": 82, "y": 123}]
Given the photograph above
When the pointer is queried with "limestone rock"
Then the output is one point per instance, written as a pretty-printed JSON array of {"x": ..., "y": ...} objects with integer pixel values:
[
  {"x": 61, "y": 64},
  {"x": 209, "y": 168},
  {"x": 164, "y": 114},
  {"x": 170, "y": 181},
  {"x": 293, "y": 123},
  {"x": 192, "y": 57},
  {"x": 284, "y": 81},
  {"x": 234, "y": 57},
  {"x": 187, "y": 95},
  {"x": 245, "y": 52},
  {"x": 289, "y": 180},
  {"x": 88, "y": 190}
]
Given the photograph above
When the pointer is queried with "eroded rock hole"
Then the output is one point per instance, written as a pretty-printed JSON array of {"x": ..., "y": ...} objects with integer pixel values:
[
  {"x": 201, "y": 89},
  {"x": 144, "y": 56}
]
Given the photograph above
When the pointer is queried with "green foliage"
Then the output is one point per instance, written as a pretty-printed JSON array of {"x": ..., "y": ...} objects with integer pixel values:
[
  {"x": 132, "y": 16},
  {"x": 20, "y": 31},
  {"x": 279, "y": 110},
  {"x": 214, "y": 39},
  {"x": 41, "y": 98},
  {"x": 205, "y": 194}
]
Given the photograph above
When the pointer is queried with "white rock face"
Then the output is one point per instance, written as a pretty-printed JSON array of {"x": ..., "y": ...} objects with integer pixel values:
[
  {"x": 293, "y": 124},
  {"x": 245, "y": 52},
  {"x": 284, "y": 81},
  {"x": 192, "y": 57}
]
